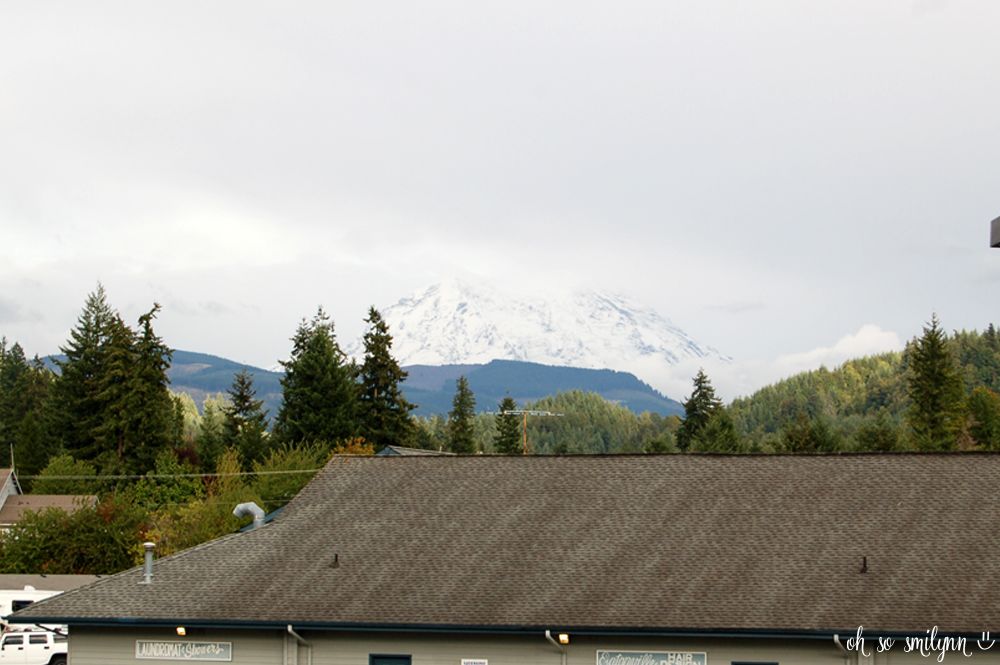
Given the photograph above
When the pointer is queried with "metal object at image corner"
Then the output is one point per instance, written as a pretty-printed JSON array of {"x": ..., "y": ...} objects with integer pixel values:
[{"x": 995, "y": 233}]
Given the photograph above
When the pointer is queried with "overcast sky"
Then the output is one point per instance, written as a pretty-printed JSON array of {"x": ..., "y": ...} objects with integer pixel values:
[{"x": 789, "y": 182}]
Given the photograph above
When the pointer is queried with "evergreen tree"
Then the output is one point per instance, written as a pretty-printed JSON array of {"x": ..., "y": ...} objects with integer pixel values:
[
  {"x": 508, "y": 439},
  {"x": 984, "y": 416},
  {"x": 31, "y": 441},
  {"x": 209, "y": 439},
  {"x": 13, "y": 367},
  {"x": 245, "y": 425},
  {"x": 809, "y": 435},
  {"x": 159, "y": 424},
  {"x": 319, "y": 394},
  {"x": 77, "y": 408},
  {"x": 138, "y": 418},
  {"x": 698, "y": 410},
  {"x": 935, "y": 390},
  {"x": 385, "y": 413},
  {"x": 112, "y": 434},
  {"x": 718, "y": 435},
  {"x": 879, "y": 434},
  {"x": 461, "y": 428}
]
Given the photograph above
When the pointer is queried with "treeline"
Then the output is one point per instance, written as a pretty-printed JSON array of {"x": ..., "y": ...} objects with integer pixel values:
[
  {"x": 942, "y": 392},
  {"x": 108, "y": 403},
  {"x": 106, "y": 425},
  {"x": 576, "y": 423}
]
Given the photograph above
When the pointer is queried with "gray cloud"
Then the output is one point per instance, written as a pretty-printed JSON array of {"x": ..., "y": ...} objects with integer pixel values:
[
  {"x": 832, "y": 162},
  {"x": 12, "y": 312}
]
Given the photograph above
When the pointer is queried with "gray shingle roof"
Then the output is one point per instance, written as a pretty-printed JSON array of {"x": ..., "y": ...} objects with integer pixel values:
[
  {"x": 17, "y": 506},
  {"x": 617, "y": 542}
]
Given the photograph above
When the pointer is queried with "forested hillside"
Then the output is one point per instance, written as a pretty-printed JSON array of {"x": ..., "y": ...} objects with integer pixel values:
[
  {"x": 873, "y": 403},
  {"x": 431, "y": 388}
]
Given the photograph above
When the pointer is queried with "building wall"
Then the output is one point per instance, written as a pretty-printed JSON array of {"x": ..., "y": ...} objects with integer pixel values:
[{"x": 91, "y": 646}]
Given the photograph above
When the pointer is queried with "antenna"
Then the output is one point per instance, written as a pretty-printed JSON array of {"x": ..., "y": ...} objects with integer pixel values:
[{"x": 526, "y": 413}]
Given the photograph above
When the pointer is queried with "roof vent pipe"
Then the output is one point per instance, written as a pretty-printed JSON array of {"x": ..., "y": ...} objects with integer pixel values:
[
  {"x": 250, "y": 508},
  {"x": 147, "y": 572}
]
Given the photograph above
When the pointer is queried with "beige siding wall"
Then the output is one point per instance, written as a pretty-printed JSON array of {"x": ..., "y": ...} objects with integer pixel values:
[
  {"x": 117, "y": 647},
  {"x": 100, "y": 647}
]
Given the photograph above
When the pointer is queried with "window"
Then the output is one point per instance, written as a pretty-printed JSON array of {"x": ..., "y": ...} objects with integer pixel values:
[
  {"x": 38, "y": 639},
  {"x": 16, "y": 605},
  {"x": 389, "y": 660},
  {"x": 13, "y": 640}
]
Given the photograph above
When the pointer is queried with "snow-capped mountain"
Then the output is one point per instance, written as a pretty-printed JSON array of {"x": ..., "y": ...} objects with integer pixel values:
[{"x": 460, "y": 323}]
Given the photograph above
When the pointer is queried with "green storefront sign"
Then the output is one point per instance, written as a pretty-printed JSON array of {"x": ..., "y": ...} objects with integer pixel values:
[{"x": 651, "y": 658}]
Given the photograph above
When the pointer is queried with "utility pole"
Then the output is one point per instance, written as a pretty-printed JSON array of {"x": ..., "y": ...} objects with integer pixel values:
[{"x": 526, "y": 413}]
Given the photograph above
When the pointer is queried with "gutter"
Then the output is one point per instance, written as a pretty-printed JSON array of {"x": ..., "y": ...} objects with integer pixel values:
[{"x": 588, "y": 631}]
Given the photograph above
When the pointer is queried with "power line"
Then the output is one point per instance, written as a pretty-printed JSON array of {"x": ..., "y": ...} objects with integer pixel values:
[
  {"x": 175, "y": 475},
  {"x": 526, "y": 413}
]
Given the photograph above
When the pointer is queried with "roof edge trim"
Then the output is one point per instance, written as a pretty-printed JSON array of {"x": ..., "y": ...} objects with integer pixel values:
[{"x": 592, "y": 631}]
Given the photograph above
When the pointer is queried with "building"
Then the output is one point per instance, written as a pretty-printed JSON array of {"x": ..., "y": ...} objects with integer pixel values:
[
  {"x": 573, "y": 560},
  {"x": 14, "y": 505},
  {"x": 19, "y": 591},
  {"x": 403, "y": 450}
]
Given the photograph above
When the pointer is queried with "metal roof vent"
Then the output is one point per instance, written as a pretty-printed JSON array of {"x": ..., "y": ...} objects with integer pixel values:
[
  {"x": 147, "y": 571},
  {"x": 250, "y": 508}
]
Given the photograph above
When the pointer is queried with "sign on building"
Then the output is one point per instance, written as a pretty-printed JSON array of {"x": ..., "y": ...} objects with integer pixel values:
[
  {"x": 177, "y": 650},
  {"x": 651, "y": 658}
]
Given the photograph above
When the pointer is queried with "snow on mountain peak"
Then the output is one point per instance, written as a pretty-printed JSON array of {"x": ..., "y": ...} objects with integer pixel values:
[{"x": 458, "y": 322}]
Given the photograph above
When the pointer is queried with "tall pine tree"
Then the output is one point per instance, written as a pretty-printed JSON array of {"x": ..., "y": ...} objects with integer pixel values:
[
  {"x": 32, "y": 444},
  {"x": 24, "y": 389},
  {"x": 934, "y": 386},
  {"x": 13, "y": 367},
  {"x": 110, "y": 403},
  {"x": 385, "y": 413},
  {"x": 245, "y": 425},
  {"x": 461, "y": 433},
  {"x": 77, "y": 407},
  {"x": 698, "y": 411},
  {"x": 139, "y": 419},
  {"x": 209, "y": 441},
  {"x": 319, "y": 393},
  {"x": 508, "y": 439}
]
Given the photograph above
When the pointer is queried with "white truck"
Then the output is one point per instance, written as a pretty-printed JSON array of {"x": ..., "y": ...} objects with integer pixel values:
[{"x": 33, "y": 647}]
